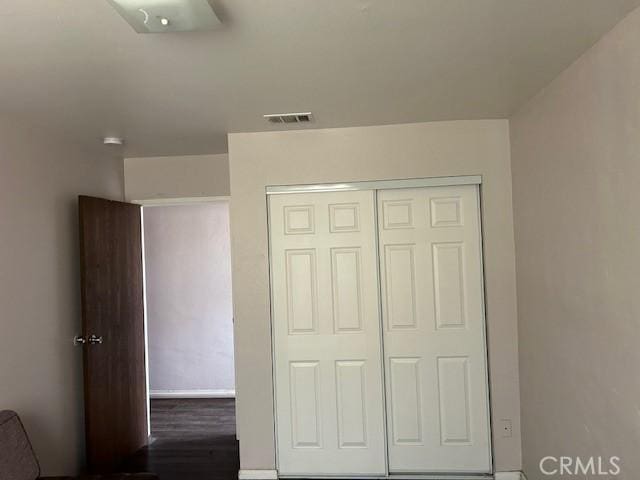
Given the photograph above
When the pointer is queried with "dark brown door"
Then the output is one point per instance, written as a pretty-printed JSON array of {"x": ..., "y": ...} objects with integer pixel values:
[{"x": 113, "y": 329}]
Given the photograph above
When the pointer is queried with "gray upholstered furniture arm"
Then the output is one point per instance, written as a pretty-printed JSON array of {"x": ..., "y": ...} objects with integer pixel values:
[{"x": 17, "y": 460}]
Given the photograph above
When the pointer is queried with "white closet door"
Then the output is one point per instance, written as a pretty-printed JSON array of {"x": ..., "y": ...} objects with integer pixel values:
[
  {"x": 434, "y": 334},
  {"x": 328, "y": 365}
]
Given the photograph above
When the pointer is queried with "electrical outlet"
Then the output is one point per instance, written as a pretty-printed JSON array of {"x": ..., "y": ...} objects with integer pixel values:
[{"x": 506, "y": 426}]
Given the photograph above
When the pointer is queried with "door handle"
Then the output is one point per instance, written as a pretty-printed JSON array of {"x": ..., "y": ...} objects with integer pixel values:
[{"x": 79, "y": 340}]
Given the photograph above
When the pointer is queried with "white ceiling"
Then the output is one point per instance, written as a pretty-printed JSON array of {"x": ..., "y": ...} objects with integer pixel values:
[{"x": 77, "y": 66}]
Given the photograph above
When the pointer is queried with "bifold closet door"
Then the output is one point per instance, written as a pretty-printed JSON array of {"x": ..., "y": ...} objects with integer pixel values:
[
  {"x": 326, "y": 328},
  {"x": 434, "y": 334}
]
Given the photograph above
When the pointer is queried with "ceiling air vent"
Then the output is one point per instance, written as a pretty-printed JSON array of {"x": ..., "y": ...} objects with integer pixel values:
[{"x": 289, "y": 118}]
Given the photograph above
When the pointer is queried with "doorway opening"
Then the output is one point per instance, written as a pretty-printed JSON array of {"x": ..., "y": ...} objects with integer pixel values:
[{"x": 189, "y": 340}]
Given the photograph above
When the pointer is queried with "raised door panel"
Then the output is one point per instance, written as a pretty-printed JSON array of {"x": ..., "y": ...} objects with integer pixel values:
[
  {"x": 406, "y": 401},
  {"x": 446, "y": 212},
  {"x": 304, "y": 383},
  {"x": 455, "y": 401},
  {"x": 449, "y": 284},
  {"x": 400, "y": 286},
  {"x": 352, "y": 403},
  {"x": 346, "y": 279},
  {"x": 397, "y": 214},
  {"x": 302, "y": 290},
  {"x": 344, "y": 217},
  {"x": 299, "y": 219}
]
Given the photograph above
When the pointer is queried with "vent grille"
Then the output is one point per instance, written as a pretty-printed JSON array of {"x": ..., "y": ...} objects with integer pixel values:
[{"x": 289, "y": 118}]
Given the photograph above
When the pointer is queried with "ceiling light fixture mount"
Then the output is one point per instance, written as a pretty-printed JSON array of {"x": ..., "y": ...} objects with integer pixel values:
[{"x": 162, "y": 16}]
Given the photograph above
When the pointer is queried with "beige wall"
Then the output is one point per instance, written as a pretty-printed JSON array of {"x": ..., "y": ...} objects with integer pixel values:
[
  {"x": 366, "y": 153},
  {"x": 576, "y": 170},
  {"x": 176, "y": 177},
  {"x": 188, "y": 289},
  {"x": 40, "y": 369}
]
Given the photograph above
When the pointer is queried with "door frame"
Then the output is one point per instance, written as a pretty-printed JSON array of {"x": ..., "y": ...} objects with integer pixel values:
[
  {"x": 377, "y": 185},
  {"x": 163, "y": 202}
]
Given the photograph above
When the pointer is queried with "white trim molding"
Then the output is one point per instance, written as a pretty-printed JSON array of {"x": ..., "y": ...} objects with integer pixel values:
[
  {"x": 509, "y": 476},
  {"x": 376, "y": 185},
  {"x": 220, "y": 393},
  {"x": 273, "y": 475},
  {"x": 447, "y": 476},
  {"x": 396, "y": 476},
  {"x": 167, "y": 202},
  {"x": 258, "y": 475}
]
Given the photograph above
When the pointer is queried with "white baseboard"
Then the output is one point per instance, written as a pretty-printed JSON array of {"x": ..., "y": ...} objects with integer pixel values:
[
  {"x": 432, "y": 476},
  {"x": 273, "y": 475},
  {"x": 192, "y": 393},
  {"x": 509, "y": 476},
  {"x": 258, "y": 475}
]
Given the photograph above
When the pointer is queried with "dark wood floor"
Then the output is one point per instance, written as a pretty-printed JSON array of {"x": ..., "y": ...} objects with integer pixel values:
[{"x": 193, "y": 439}]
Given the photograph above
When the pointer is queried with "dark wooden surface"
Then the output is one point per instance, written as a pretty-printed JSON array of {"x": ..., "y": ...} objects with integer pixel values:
[
  {"x": 112, "y": 307},
  {"x": 192, "y": 439}
]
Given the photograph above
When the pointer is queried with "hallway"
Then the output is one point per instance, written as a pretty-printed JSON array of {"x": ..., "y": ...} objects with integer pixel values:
[{"x": 192, "y": 439}]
